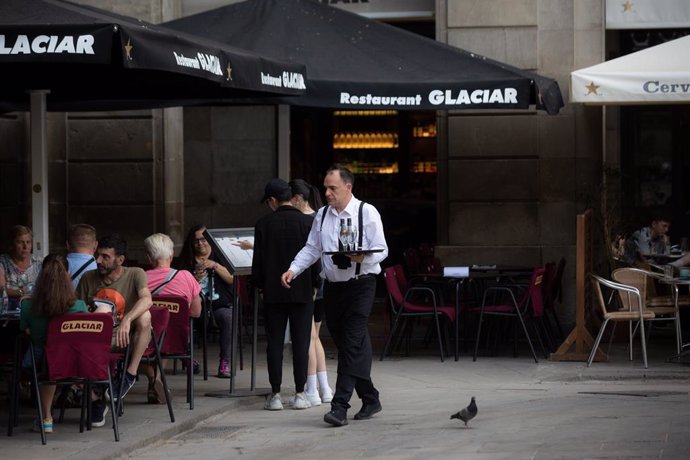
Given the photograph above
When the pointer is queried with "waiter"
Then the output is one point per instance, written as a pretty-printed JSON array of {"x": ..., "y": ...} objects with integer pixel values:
[{"x": 349, "y": 289}]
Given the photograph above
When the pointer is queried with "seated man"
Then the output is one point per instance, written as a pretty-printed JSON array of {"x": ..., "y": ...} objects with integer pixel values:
[
  {"x": 127, "y": 288},
  {"x": 166, "y": 281},
  {"x": 81, "y": 245},
  {"x": 642, "y": 246},
  {"x": 647, "y": 241}
]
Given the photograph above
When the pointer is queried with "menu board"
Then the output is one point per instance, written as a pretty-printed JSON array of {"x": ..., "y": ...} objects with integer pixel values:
[{"x": 225, "y": 243}]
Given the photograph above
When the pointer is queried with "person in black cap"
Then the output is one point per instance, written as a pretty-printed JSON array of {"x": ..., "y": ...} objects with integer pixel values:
[{"x": 278, "y": 237}]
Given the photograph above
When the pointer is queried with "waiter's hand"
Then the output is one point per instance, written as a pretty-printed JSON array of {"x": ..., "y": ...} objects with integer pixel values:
[
  {"x": 357, "y": 258},
  {"x": 286, "y": 279}
]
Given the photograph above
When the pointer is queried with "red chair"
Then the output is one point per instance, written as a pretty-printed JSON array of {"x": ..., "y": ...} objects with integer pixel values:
[
  {"x": 513, "y": 301},
  {"x": 160, "y": 317},
  {"x": 179, "y": 337},
  {"x": 77, "y": 350},
  {"x": 553, "y": 291},
  {"x": 403, "y": 306}
]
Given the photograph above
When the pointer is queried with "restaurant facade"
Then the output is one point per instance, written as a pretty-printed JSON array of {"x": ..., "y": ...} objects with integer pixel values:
[{"x": 485, "y": 187}]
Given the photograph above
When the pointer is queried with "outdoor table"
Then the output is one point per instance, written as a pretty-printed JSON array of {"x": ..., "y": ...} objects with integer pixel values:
[
  {"x": 479, "y": 273},
  {"x": 675, "y": 283}
]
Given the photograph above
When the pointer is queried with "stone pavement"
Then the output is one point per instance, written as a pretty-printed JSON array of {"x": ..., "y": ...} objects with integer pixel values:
[{"x": 526, "y": 410}]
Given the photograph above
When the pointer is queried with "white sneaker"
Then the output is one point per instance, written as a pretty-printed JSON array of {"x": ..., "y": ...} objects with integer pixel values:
[
  {"x": 314, "y": 398},
  {"x": 326, "y": 394},
  {"x": 300, "y": 401},
  {"x": 273, "y": 402}
]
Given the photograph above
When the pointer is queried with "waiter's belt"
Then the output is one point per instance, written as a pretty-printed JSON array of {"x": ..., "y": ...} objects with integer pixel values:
[{"x": 355, "y": 278}]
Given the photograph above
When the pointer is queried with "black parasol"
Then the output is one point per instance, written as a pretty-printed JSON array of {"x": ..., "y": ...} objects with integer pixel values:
[{"x": 355, "y": 62}]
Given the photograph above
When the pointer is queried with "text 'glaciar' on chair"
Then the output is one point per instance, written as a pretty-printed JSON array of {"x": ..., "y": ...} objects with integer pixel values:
[
  {"x": 405, "y": 304},
  {"x": 78, "y": 350}
]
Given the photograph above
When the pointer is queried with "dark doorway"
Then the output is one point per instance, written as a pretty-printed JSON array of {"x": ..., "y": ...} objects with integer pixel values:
[
  {"x": 393, "y": 157},
  {"x": 655, "y": 160}
]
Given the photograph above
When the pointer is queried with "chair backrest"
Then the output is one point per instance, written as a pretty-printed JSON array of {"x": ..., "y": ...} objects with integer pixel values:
[
  {"x": 177, "y": 332},
  {"x": 558, "y": 281},
  {"x": 78, "y": 346},
  {"x": 393, "y": 287},
  {"x": 535, "y": 291},
  {"x": 432, "y": 265},
  {"x": 400, "y": 275},
  {"x": 160, "y": 318},
  {"x": 631, "y": 277},
  {"x": 630, "y": 296},
  {"x": 412, "y": 261},
  {"x": 549, "y": 285}
]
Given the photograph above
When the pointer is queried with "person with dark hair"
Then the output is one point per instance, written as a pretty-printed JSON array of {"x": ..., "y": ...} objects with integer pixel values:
[
  {"x": 197, "y": 256},
  {"x": 278, "y": 237},
  {"x": 19, "y": 268},
  {"x": 53, "y": 296},
  {"x": 348, "y": 290},
  {"x": 648, "y": 241},
  {"x": 127, "y": 288},
  {"x": 81, "y": 246},
  {"x": 307, "y": 199},
  {"x": 305, "y": 196}
]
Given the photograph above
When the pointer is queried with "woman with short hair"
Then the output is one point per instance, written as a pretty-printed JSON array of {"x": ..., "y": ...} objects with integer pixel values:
[{"x": 19, "y": 268}]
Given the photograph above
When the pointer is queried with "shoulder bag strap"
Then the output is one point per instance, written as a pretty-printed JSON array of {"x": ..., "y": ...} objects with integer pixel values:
[
  {"x": 83, "y": 267},
  {"x": 159, "y": 288}
]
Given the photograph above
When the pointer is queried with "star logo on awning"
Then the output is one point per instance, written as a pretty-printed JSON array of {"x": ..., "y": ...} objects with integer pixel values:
[
  {"x": 627, "y": 6},
  {"x": 229, "y": 71},
  {"x": 592, "y": 89},
  {"x": 128, "y": 50}
]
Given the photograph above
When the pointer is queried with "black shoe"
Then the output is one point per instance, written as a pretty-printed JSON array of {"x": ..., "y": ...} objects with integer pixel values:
[
  {"x": 368, "y": 410},
  {"x": 125, "y": 388},
  {"x": 98, "y": 411},
  {"x": 336, "y": 418}
]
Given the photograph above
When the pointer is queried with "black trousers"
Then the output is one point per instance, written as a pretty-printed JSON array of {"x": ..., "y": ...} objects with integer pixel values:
[
  {"x": 276, "y": 317},
  {"x": 348, "y": 306}
]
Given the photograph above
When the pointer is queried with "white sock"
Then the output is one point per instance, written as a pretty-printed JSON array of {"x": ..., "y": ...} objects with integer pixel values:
[
  {"x": 323, "y": 380},
  {"x": 310, "y": 387}
]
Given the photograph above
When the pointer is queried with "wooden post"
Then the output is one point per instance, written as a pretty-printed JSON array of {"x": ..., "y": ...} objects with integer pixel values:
[{"x": 580, "y": 336}]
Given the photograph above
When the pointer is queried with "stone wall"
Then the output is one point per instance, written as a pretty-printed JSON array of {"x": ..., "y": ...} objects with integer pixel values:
[
  {"x": 230, "y": 154},
  {"x": 517, "y": 180}
]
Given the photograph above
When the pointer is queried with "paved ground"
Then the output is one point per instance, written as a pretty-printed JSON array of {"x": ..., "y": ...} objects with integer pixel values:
[{"x": 526, "y": 410}]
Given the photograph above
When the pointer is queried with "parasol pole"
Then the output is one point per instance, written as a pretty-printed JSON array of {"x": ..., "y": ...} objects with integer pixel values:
[{"x": 39, "y": 172}]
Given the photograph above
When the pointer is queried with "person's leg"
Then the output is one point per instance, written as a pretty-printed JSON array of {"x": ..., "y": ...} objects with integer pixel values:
[
  {"x": 334, "y": 305},
  {"x": 155, "y": 393},
  {"x": 301, "y": 321},
  {"x": 140, "y": 341},
  {"x": 351, "y": 317},
  {"x": 275, "y": 322},
  {"x": 47, "y": 393},
  {"x": 311, "y": 387},
  {"x": 223, "y": 318},
  {"x": 325, "y": 391}
]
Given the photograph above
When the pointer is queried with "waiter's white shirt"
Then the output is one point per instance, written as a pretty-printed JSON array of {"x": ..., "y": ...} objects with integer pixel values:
[{"x": 325, "y": 239}]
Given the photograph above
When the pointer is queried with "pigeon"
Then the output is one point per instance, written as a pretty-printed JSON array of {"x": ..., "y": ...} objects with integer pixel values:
[{"x": 466, "y": 414}]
